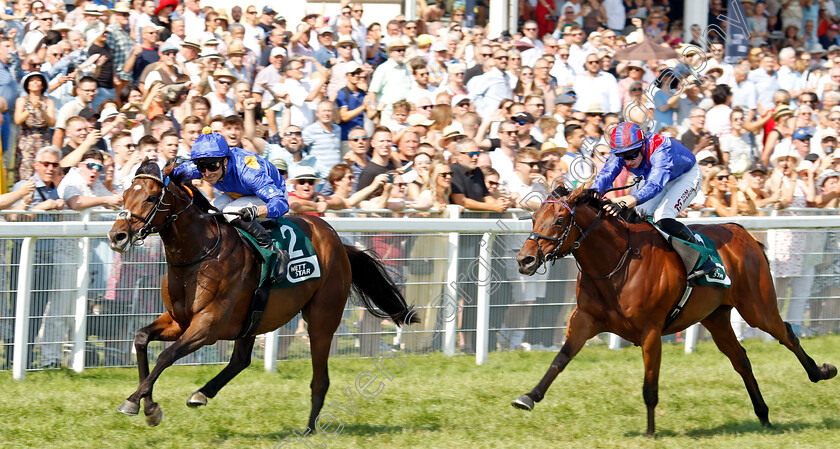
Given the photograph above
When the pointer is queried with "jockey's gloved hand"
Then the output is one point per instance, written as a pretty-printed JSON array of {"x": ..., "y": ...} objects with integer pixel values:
[
  {"x": 249, "y": 213},
  {"x": 590, "y": 193},
  {"x": 616, "y": 208}
]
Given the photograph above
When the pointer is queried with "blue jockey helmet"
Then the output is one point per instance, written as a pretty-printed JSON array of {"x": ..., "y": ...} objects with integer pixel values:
[
  {"x": 209, "y": 144},
  {"x": 626, "y": 136}
]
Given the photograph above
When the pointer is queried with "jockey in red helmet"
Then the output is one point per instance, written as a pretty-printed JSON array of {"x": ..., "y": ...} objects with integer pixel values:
[{"x": 671, "y": 179}]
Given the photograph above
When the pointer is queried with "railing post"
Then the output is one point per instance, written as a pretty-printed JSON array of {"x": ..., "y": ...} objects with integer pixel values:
[
  {"x": 451, "y": 293},
  {"x": 271, "y": 350},
  {"x": 24, "y": 299},
  {"x": 691, "y": 338},
  {"x": 482, "y": 328},
  {"x": 82, "y": 284}
]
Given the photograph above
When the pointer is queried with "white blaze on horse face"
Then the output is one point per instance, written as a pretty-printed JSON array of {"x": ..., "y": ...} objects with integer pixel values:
[{"x": 138, "y": 187}]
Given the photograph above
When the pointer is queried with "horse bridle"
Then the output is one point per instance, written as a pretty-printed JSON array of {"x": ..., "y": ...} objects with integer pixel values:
[
  {"x": 148, "y": 228},
  {"x": 553, "y": 255}
]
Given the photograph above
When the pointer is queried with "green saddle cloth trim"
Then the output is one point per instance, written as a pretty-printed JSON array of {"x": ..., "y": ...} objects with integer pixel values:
[
  {"x": 718, "y": 277},
  {"x": 303, "y": 262}
]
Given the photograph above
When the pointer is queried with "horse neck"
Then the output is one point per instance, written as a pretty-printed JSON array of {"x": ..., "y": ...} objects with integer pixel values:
[
  {"x": 191, "y": 235},
  {"x": 603, "y": 248}
]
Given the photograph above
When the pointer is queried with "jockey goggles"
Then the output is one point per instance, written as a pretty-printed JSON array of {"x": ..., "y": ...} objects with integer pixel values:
[
  {"x": 208, "y": 164},
  {"x": 630, "y": 155}
]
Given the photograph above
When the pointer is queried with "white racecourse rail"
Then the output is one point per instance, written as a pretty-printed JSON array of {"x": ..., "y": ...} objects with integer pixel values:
[{"x": 448, "y": 232}]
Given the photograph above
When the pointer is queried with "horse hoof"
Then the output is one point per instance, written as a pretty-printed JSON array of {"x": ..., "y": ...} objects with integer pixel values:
[
  {"x": 828, "y": 371},
  {"x": 129, "y": 408},
  {"x": 523, "y": 402},
  {"x": 197, "y": 399},
  {"x": 154, "y": 418}
]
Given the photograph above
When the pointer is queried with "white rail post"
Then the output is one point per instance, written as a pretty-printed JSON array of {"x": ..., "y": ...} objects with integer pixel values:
[
  {"x": 271, "y": 350},
  {"x": 450, "y": 290},
  {"x": 482, "y": 328},
  {"x": 691, "y": 338},
  {"x": 24, "y": 299},
  {"x": 82, "y": 284}
]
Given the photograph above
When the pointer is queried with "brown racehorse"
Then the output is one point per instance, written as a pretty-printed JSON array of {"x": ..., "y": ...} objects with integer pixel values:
[
  {"x": 630, "y": 279},
  {"x": 211, "y": 278}
]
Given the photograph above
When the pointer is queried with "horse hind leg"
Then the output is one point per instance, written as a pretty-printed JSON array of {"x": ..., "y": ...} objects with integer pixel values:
[
  {"x": 240, "y": 359},
  {"x": 582, "y": 327},
  {"x": 718, "y": 325},
  {"x": 764, "y": 314}
]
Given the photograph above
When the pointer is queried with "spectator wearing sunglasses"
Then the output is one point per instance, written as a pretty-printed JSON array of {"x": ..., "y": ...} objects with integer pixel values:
[
  {"x": 487, "y": 91},
  {"x": 291, "y": 152},
  {"x": 304, "y": 200},
  {"x": 82, "y": 188}
]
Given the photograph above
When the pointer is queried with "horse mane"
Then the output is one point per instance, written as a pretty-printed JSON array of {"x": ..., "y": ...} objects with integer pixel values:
[
  {"x": 591, "y": 197},
  {"x": 199, "y": 199}
]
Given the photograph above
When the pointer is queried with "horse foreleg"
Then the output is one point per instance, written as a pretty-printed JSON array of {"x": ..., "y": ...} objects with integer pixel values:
[
  {"x": 163, "y": 328},
  {"x": 652, "y": 352},
  {"x": 582, "y": 327},
  {"x": 240, "y": 359},
  {"x": 195, "y": 336},
  {"x": 719, "y": 326}
]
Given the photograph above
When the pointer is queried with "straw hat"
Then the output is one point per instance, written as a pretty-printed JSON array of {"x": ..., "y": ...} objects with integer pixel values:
[
  {"x": 397, "y": 42},
  {"x": 222, "y": 73},
  {"x": 450, "y": 133},
  {"x": 236, "y": 47}
]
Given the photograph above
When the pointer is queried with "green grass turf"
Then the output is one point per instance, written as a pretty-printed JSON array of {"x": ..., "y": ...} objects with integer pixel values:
[{"x": 443, "y": 402}]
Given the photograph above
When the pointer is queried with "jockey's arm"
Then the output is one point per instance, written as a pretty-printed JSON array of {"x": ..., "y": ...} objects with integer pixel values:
[
  {"x": 186, "y": 171},
  {"x": 606, "y": 177}
]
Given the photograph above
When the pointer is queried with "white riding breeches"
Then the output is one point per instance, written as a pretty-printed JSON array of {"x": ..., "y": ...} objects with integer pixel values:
[
  {"x": 226, "y": 203},
  {"x": 674, "y": 197}
]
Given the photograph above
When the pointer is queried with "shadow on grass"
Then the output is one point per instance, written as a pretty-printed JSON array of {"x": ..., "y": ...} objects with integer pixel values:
[
  {"x": 744, "y": 427},
  {"x": 349, "y": 429}
]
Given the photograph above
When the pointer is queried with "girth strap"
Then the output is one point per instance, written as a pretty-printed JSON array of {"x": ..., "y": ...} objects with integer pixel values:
[{"x": 255, "y": 310}]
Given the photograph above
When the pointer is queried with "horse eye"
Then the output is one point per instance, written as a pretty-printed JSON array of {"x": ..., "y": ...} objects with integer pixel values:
[{"x": 152, "y": 199}]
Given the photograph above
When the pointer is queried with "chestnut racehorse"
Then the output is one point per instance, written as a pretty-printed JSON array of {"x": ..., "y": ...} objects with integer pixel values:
[
  {"x": 630, "y": 280},
  {"x": 211, "y": 278}
]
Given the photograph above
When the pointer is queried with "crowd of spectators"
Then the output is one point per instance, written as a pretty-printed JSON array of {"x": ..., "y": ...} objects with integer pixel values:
[{"x": 416, "y": 114}]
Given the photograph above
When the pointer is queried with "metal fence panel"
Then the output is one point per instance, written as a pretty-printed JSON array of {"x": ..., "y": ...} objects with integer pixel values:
[{"x": 443, "y": 277}]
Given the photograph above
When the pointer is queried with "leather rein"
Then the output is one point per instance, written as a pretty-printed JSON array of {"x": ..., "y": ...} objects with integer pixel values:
[
  {"x": 148, "y": 228},
  {"x": 555, "y": 253}
]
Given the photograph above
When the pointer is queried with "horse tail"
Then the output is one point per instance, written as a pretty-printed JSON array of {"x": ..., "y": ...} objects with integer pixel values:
[{"x": 375, "y": 289}]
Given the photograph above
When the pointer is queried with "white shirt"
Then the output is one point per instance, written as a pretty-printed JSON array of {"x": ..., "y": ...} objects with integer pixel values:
[
  {"x": 616, "y": 14},
  {"x": 302, "y": 113},
  {"x": 219, "y": 107},
  {"x": 502, "y": 164},
  {"x": 603, "y": 89},
  {"x": 717, "y": 120},
  {"x": 488, "y": 90},
  {"x": 193, "y": 23},
  {"x": 253, "y": 36},
  {"x": 563, "y": 73}
]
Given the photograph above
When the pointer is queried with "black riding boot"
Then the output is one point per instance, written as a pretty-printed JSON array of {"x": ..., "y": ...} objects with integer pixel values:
[
  {"x": 681, "y": 231},
  {"x": 262, "y": 237}
]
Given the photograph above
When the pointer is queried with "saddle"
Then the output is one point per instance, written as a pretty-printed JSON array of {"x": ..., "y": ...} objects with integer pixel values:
[
  {"x": 688, "y": 254},
  {"x": 303, "y": 265}
]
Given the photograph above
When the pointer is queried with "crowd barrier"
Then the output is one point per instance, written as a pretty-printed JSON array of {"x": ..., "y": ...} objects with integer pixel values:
[{"x": 67, "y": 300}]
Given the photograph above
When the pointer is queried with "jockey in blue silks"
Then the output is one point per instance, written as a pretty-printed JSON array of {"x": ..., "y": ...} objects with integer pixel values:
[
  {"x": 252, "y": 187},
  {"x": 671, "y": 179}
]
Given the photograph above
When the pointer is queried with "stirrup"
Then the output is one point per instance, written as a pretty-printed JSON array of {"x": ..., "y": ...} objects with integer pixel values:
[{"x": 707, "y": 268}]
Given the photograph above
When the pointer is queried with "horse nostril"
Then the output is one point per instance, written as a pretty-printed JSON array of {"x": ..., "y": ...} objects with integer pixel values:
[
  {"x": 120, "y": 237},
  {"x": 527, "y": 261}
]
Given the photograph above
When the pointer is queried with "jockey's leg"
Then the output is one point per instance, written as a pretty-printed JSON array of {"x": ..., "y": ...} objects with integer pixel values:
[
  {"x": 257, "y": 231},
  {"x": 673, "y": 199}
]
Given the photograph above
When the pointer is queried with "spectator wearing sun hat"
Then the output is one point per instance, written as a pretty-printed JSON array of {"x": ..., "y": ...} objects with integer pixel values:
[{"x": 391, "y": 80}]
